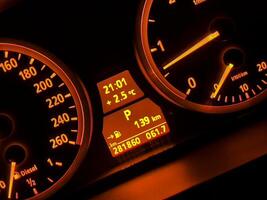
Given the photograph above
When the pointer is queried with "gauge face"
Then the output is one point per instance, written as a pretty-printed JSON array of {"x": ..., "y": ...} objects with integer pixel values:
[
  {"x": 205, "y": 55},
  {"x": 45, "y": 119}
]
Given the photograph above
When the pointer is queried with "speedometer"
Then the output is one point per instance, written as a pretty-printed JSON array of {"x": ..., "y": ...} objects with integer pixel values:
[
  {"x": 204, "y": 55},
  {"x": 46, "y": 123}
]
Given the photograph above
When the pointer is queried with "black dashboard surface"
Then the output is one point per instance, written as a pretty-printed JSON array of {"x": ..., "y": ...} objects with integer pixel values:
[{"x": 96, "y": 40}]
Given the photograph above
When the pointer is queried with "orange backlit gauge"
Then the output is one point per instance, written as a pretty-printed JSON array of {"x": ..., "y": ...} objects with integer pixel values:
[
  {"x": 204, "y": 55},
  {"x": 45, "y": 123}
]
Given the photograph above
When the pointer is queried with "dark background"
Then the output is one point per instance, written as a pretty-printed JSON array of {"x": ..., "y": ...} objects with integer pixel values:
[{"x": 95, "y": 39}]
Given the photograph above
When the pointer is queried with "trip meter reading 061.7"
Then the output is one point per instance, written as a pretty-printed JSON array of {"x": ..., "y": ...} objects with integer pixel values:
[
  {"x": 45, "y": 123},
  {"x": 205, "y": 55}
]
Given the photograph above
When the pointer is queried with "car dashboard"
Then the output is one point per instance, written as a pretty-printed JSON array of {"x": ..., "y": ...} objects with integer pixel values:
[{"x": 141, "y": 99}]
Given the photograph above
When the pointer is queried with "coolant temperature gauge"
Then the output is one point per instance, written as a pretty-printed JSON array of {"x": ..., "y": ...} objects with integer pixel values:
[{"x": 45, "y": 123}]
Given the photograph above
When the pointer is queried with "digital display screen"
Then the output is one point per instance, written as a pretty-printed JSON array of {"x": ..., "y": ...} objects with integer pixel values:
[
  {"x": 118, "y": 91},
  {"x": 134, "y": 126}
]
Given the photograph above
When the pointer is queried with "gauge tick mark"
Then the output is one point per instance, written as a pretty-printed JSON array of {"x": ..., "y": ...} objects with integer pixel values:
[
  {"x": 50, "y": 162},
  {"x": 50, "y": 180},
  {"x": 226, "y": 99},
  {"x": 166, "y": 75},
  {"x": 53, "y": 75},
  {"x": 35, "y": 191},
  {"x": 61, "y": 85},
  {"x": 247, "y": 95},
  {"x": 152, "y": 20},
  {"x": 6, "y": 54},
  {"x": 233, "y": 99},
  {"x": 17, "y": 195},
  {"x": 188, "y": 92},
  {"x": 259, "y": 87},
  {"x": 74, "y": 119},
  {"x": 43, "y": 67},
  {"x": 68, "y": 95},
  {"x": 153, "y": 50},
  {"x": 59, "y": 164},
  {"x": 32, "y": 61},
  {"x": 72, "y": 142},
  {"x": 19, "y": 56},
  {"x": 264, "y": 82}
]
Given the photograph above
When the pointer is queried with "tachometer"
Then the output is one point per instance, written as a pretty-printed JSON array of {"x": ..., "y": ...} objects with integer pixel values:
[
  {"x": 205, "y": 55},
  {"x": 45, "y": 123}
]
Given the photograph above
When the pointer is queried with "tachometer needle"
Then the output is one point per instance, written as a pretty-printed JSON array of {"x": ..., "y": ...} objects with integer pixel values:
[
  {"x": 222, "y": 81},
  {"x": 194, "y": 48},
  {"x": 11, "y": 179}
]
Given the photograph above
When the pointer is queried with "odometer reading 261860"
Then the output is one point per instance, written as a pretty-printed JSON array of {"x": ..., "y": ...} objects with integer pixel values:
[
  {"x": 205, "y": 55},
  {"x": 43, "y": 134}
]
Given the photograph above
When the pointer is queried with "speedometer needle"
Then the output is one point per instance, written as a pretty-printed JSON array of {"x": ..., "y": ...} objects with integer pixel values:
[
  {"x": 194, "y": 48},
  {"x": 11, "y": 179},
  {"x": 222, "y": 81}
]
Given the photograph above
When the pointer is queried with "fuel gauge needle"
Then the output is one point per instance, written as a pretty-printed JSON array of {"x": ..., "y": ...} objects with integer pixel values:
[
  {"x": 194, "y": 48},
  {"x": 11, "y": 179},
  {"x": 222, "y": 81}
]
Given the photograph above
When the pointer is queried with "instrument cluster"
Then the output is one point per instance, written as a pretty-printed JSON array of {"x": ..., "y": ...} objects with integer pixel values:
[{"x": 91, "y": 93}]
